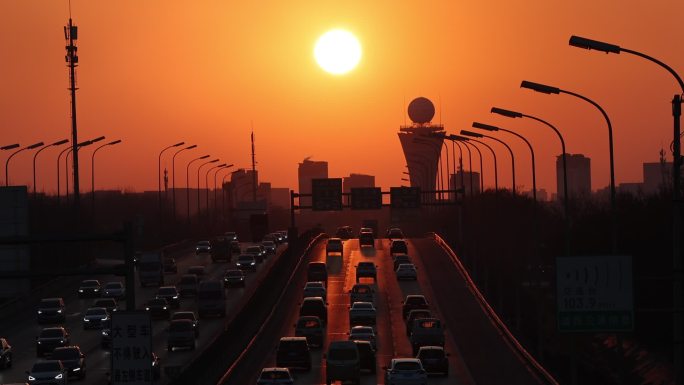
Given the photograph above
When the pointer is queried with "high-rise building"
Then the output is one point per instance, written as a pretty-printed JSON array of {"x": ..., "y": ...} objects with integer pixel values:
[
  {"x": 242, "y": 185},
  {"x": 579, "y": 176},
  {"x": 465, "y": 177},
  {"x": 356, "y": 181},
  {"x": 657, "y": 176},
  {"x": 308, "y": 170},
  {"x": 280, "y": 197}
]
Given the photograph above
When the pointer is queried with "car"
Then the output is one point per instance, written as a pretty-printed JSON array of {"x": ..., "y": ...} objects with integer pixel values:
[
  {"x": 314, "y": 306},
  {"x": 278, "y": 237},
  {"x": 361, "y": 292},
  {"x": 47, "y": 372},
  {"x": 426, "y": 332},
  {"x": 414, "y": 315},
  {"x": 367, "y": 355},
  {"x": 51, "y": 338},
  {"x": 293, "y": 353},
  {"x": 169, "y": 265},
  {"x": 257, "y": 252},
  {"x": 399, "y": 259},
  {"x": 334, "y": 246},
  {"x": 275, "y": 376},
  {"x": 342, "y": 362},
  {"x": 114, "y": 290},
  {"x": 283, "y": 234},
  {"x": 315, "y": 289},
  {"x": 366, "y": 230},
  {"x": 317, "y": 272},
  {"x": 158, "y": 308},
  {"x": 203, "y": 247},
  {"x": 198, "y": 270},
  {"x": 363, "y": 333},
  {"x": 398, "y": 246},
  {"x": 89, "y": 288},
  {"x": 188, "y": 315},
  {"x": 51, "y": 310},
  {"x": 211, "y": 299},
  {"x": 231, "y": 235},
  {"x": 412, "y": 302},
  {"x": 362, "y": 313},
  {"x": 434, "y": 359},
  {"x": 220, "y": 250},
  {"x": 181, "y": 335},
  {"x": 311, "y": 328},
  {"x": 405, "y": 371},
  {"x": 407, "y": 271},
  {"x": 170, "y": 294},
  {"x": 5, "y": 354},
  {"x": 366, "y": 269},
  {"x": 108, "y": 303},
  {"x": 187, "y": 286},
  {"x": 366, "y": 239},
  {"x": 269, "y": 246},
  {"x": 93, "y": 318},
  {"x": 246, "y": 262},
  {"x": 395, "y": 233},
  {"x": 72, "y": 359},
  {"x": 344, "y": 232},
  {"x": 235, "y": 247},
  {"x": 234, "y": 278},
  {"x": 106, "y": 334}
]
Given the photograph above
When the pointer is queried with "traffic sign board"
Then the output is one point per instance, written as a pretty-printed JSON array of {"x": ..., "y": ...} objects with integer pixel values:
[
  {"x": 404, "y": 197},
  {"x": 366, "y": 198},
  {"x": 326, "y": 194},
  {"x": 594, "y": 294},
  {"x": 131, "y": 333}
]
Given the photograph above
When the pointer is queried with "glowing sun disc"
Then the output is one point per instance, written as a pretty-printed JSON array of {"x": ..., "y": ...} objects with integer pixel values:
[{"x": 337, "y": 51}]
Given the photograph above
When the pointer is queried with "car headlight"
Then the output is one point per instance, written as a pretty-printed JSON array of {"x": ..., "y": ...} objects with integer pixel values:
[
  {"x": 61, "y": 341},
  {"x": 147, "y": 308},
  {"x": 31, "y": 378},
  {"x": 59, "y": 311},
  {"x": 58, "y": 377},
  {"x": 85, "y": 319},
  {"x": 104, "y": 319},
  {"x": 40, "y": 312},
  {"x": 105, "y": 332},
  {"x": 252, "y": 263},
  {"x": 80, "y": 290},
  {"x": 164, "y": 308},
  {"x": 39, "y": 342},
  {"x": 175, "y": 297},
  {"x": 75, "y": 370}
]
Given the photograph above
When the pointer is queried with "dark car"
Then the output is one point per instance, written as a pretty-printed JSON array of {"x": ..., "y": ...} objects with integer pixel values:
[
  {"x": 366, "y": 239},
  {"x": 93, "y": 317},
  {"x": 107, "y": 303},
  {"x": 314, "y": 306},
  {"x": 275, "y": 376},
  {"x": 188, "y": 315},
  {"x": 366, "y": 355},
  {"x": 72, "y": 359},
  {"x": 317, "y": 271},
  {"x": 246, "y": 262},
  {"x": 187, "y": 286},
  {"x": 181, "y": 334},
  {"x": 51, "y": 338},
  {"x": 235, "y": 247},
  {"x": 412, "y": 302},
  {"x": 400, "y": 259},
  {"x": 234, "y": 278},
  {"x": 169, "y": 265},
  {"x": 51, "y": 310},
  {"x": 293, "y": 352},
  {"x": 434, "y": 359},
  {"x": 89, "y": 288},
  {"x": 170, "y": 294},
  {"x": 158, "y": 308},
  {"x": 414, "y": 315},
  {"x": 395, "y": 233},
  {"x": 366, "y": 269},
  {"x": 5, "y": 354},
  {"x": 311, "y": 328},
  {"x": 398, "y": 246}
]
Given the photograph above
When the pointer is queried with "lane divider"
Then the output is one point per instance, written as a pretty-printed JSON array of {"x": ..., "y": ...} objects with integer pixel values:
[{"x": 530, "y": 362}]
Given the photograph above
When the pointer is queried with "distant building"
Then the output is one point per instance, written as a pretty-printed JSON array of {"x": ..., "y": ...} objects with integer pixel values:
[
  {"x": 465, "y": 176},
  {"x": 242, "y": 185},
  {"x": 657, "y": 176},
  {"x": 280, "y": 197},
  {"x": 356, "y": 181},
  {"x": 579, "y": 175},
  {"x": 308, "y": 170},
  {"x": 633, "y": 188}
]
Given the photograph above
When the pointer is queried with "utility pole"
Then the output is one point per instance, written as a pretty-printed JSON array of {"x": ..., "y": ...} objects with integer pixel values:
[
  {"x": 71, "y": 35},
  {"x": 254, "y": 176}
]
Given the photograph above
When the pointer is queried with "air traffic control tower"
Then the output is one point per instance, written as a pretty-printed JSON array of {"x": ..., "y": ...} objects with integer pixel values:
[{"x": 422, "y": 144}]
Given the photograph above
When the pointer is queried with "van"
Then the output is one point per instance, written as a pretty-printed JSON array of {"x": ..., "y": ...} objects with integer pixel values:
[
  {"x": 293, "y": 353},
  {"x": 314, "y": 306},
  {"x": 317, "y": 271},
  {"x": 211, "y": 299},
  {"x": 342, "y": 362}
]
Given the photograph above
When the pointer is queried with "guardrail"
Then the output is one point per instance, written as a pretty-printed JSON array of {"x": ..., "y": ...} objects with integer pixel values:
[{"x": 528, "y": 360}]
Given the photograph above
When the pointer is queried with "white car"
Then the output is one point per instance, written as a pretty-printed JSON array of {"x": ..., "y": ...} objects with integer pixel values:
[
  {"x": 407, "y": 271},
  {"x": 114, "y": 290},
  {"x": 362, "y": 313},
  {"x": 363, "y": 333},
  {"x": 405, "y": 371},
  {"x": 315, "y": 289},
  {"x": 47, "y": 372}
]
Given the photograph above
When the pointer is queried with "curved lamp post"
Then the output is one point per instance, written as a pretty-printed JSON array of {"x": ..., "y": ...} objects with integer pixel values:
[
  {"x": 471, "y": 141},
  {"x": 187, "y": 182},
  {"x": 478, "y": 135},
  {"x": 31, "y": 147},
  {"x": 199, "y": 208},
  {"x": 173, "y": 176},
  {"x": 58, "y": 143},
  {"x": 206, "y": 181},
  {"x": 92, "y": 170},
  {"x": 226, "y": 167},
  {"x": 159, "y": 194}
]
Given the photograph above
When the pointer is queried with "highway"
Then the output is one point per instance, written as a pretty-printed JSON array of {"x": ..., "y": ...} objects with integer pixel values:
[
  {"x": 21, "y": 327},
  {"x": 390, "y": 329}
]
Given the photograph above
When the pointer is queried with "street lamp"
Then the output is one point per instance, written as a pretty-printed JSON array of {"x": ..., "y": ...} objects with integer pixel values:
[
  {"x": 198, "y": 182},
  {"x": 9, "y": 146},
  {"x": 31, "y": 147},
  {"x": 464, "y": 140},
  {"x": 471, "y": 142},
  {"x": 66, "y": 158},
  {"x": 59, "y": 143},
  {"x": 460, "y": 160},
  {"x": 173, "y": 176},
  {"x": 223, "y": 196},
  {"x": 206, "y": 181},
  {"x": 678, "y": 317},
  {"x": 92, "y": 170},
  {"x": 478, "y": 135},
  {"x": 187, "y": 182},
  {"x": 159, "y": 195},
  {"x": 226, "y": 167},
  {"x": 489, "y": 127},
  {"x": 467, "y": 143}
]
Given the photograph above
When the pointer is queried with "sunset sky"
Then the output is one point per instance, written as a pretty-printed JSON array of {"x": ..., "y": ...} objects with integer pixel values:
[{"x": 154, "y": 72}]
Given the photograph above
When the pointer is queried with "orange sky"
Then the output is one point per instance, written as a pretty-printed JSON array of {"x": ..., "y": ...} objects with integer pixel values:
[{"x": 156, "y": 72}]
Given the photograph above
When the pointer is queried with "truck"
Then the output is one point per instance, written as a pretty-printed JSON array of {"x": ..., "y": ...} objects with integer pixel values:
[{"x": 151, "y": 269}]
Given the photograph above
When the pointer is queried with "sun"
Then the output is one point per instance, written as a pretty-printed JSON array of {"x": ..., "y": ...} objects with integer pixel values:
[{"x": 337, "y": 51}]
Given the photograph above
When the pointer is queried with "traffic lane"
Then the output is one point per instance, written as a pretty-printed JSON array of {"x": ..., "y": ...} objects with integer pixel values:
[{"x": 479, "y": 341}]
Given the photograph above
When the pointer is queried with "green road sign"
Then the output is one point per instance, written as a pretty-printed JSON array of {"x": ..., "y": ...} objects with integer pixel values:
[
  {"x": 366, "y": 198},
  {"x": 326, "y": 194},
  {"x": 404, "y": 197}
]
